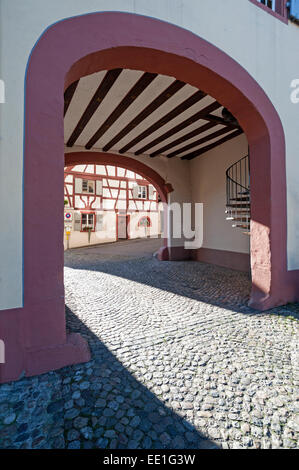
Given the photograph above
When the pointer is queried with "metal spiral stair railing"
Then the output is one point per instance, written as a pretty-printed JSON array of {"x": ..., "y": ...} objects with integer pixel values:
[{"x": 238, "y": 194}]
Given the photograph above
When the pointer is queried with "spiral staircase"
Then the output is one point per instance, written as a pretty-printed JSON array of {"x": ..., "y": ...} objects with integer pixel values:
[{"x": 238, "y": 194}]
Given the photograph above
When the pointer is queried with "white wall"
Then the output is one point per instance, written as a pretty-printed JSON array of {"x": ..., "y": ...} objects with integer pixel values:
[
  {"x": 265, "y": 46},
  {"x": 107, "y": 235},
  {"x": 209, "y": 187}
]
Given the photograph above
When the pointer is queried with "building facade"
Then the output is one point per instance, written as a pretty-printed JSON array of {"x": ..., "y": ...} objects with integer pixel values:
[
  {"x": 198, "y": 98},
  {"x": 104, "y": 203}
]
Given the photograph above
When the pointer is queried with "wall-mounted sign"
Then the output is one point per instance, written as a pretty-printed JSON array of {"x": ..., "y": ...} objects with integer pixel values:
[{"x": 68, "y": 216}]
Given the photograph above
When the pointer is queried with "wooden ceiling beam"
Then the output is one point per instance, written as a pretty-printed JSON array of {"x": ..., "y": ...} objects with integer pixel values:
[
  {"x": 180, "y": 140},
  {"x": 155, "y": 104},
  {"x": 205, "y": 149},
  {"x": 197, "y": 96},
  {"x": 68, "y": 95},
  {"x": 201, "y": 141},
  {"x": 179, "y": 127},
  {"x": 219, "y": 120},
  {"x": 104, "y": 87},
  {"x": 144, "y": 81}
]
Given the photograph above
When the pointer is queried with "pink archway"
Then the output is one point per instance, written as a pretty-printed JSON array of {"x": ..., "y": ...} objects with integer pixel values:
[{"x": 35, "y": 336}]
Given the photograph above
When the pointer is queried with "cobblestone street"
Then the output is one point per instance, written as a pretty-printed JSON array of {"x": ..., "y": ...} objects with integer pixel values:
[{"x": 178, "y": 361}]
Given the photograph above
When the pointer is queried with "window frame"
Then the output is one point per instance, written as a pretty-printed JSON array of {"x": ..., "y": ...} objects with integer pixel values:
[
  {"x": 281, "y": 12},
  {"x": 88, "y": 214},
  {"x": 88, "y": 183},
  {"x": 142, "y": 187}
]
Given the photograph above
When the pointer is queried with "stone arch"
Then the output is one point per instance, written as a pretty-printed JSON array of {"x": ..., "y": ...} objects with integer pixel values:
[{"x": 35, "y": 336}]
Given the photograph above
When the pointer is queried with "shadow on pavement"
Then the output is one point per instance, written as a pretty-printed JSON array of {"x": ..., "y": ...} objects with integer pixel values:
[{"x": 128, "y": 415}]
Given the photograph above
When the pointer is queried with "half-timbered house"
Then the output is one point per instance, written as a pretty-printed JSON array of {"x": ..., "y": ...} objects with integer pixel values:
[{"x": 105, "y": 203}]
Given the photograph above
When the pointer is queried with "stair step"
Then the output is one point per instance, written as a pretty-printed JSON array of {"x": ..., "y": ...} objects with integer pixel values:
[
  {"x": 241, "y": 206},
  {"x": 238, "y": 216},
  {"x": 238, "y": 211},
  {"x": 240, "y": 203},
  {"x": 241, "y": 226},
  {"x": 240, "y": 199},
  {"x": 246, "y": 191},
  {"x": 239, "y": 219}
]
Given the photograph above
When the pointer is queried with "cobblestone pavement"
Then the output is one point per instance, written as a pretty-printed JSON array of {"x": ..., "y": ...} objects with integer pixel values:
[{"x": 178, "y": 361}]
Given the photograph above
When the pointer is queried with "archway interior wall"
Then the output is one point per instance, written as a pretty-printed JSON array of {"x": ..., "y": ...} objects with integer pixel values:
[{"x": 209, "y": 187}]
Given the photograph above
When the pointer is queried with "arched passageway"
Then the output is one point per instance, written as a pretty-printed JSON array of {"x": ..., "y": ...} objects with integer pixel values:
[{"x": 77, "y": 47}]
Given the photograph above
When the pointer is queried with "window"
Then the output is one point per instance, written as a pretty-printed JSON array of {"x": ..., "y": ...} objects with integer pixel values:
[
  {"x": 88, "y": 186},
  {"x": 77, "y": 222},
  {"x": 142, "y": 192},
  {"x": 87, "y": 221},
  {"x": 268, "y": 3}
]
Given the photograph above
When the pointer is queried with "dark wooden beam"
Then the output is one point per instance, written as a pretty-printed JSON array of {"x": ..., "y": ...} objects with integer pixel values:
[
  {"x": 199, "y": 142},
  {"x": 104, "y": 87},
  {"x": 155, "y": 104},
  {"x": 179, "y": 127},
  {"x": 196, "y": 153},
  {"x": 197, "y": 96},
  {"x": 143, "y": 82},
  {"x": 180, "y": 140},
  {"x": 219, "y": 120},
  {"x": 68, "y": 95}
]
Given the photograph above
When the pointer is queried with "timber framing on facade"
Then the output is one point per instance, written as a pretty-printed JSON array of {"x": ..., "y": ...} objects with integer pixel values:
[{"x": 111, "y": 203}]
